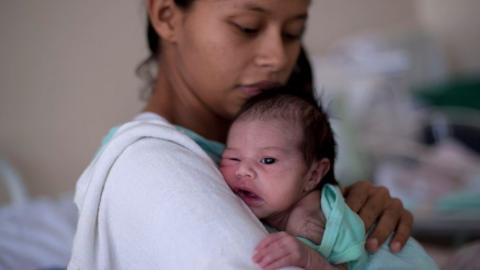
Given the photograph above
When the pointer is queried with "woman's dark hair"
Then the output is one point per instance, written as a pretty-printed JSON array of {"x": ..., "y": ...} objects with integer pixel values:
[
  {"x": 301, "y": 78},
  {"x": 318, "y": 140}
]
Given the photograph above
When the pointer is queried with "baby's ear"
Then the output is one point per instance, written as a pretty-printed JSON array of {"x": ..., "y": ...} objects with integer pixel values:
[{"x": 318, "y": 169}]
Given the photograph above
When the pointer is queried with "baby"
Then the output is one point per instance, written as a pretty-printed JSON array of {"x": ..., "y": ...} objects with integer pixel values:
[{"x": 279, "y": 160}]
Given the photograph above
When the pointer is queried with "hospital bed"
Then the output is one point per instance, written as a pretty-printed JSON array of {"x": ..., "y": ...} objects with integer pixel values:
[{"x": 34, "y": 233}]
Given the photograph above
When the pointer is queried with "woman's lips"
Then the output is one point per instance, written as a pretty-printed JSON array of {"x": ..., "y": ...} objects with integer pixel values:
[
  {"x": 257, "y": 88},
  {"x": 250, "y": 90}
]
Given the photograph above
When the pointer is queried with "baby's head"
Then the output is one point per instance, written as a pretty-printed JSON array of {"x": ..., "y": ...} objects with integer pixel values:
[{"x": 279, "y": 148}]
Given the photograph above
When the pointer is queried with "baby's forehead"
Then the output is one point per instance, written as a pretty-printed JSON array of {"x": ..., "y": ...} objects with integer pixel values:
[
  {"x": 288, "y": 117},
  {"x": 292, "y": 122},
  {"x": 267, "y": 131}
]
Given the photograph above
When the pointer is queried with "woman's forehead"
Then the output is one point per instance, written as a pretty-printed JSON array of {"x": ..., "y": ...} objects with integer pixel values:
[{"x": 292, "y": 8}]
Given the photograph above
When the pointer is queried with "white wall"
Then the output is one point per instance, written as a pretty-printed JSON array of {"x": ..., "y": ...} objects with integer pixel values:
[{"x": 66, "y": 76}]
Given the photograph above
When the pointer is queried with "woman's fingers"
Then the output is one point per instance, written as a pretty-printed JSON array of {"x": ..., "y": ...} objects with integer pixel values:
[
  {"x": 357, "y": 194},
  {"x": 367, "y": 200},
  {"x": 374, "y": 206},
  {"x": 403, "y": 232},
  {"x": 389, "y": 221}
]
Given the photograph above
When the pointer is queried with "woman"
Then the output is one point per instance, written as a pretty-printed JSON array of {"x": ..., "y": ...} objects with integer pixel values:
[{"x": 152, "y": 198}]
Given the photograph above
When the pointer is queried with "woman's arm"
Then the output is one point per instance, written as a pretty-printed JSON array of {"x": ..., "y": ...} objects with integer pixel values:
[{"x": 377, "y": 208}]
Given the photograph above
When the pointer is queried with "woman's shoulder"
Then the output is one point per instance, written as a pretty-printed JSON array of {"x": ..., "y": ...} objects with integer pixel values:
[
  {"x": 138, "y": 149},
  {"x": 152, "y": 129}
]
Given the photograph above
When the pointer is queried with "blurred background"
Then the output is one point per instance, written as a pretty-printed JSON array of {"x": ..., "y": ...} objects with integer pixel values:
[{"x": 401, "y": 80}]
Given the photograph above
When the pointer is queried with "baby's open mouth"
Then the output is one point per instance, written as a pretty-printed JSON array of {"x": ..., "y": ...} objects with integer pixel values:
[{"x": 250, "y": 198}]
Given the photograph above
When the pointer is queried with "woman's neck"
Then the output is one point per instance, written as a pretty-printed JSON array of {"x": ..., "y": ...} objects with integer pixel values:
[{"x": 172, "y": 101}]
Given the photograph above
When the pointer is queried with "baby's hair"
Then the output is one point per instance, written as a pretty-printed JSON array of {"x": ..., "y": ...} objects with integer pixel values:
[{"x": 282, "y": 103}]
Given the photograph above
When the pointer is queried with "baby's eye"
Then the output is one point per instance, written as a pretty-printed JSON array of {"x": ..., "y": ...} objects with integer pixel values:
[
  {"x": 268, "y": 160},
  {"x": 229, "y": 160},
  {"x": 234, "y": 159}
]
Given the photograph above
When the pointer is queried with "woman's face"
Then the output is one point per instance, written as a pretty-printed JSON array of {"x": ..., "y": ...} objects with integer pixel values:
[{"x": 228, "y": 50}]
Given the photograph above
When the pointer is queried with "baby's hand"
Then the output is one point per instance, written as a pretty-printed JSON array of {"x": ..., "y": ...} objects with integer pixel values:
[
  {"x": 281, "y": 249},
  {"x": 306, "y": 219}
]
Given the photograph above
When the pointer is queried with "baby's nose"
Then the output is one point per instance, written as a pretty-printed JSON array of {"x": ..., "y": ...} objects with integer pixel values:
[{"x": 245, "y": 170}]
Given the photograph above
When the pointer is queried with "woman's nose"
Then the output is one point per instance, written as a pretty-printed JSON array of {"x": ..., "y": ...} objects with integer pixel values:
[
  {"x": 245, "y": 170},
  {"x": 272, "y": 53}
]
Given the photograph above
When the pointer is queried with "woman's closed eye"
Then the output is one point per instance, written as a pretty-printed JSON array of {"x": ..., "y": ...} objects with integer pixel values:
[
  {"x": 247, "y": 30},
  {"x": 293, "y": 36},
  {"x": 294, "y": 32},
  {"x": 252, "y": 31},
  {"x": 268, "y": 160}
]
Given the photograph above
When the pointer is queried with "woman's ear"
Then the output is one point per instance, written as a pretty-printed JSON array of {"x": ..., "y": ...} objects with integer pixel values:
[
  {"x": 317, "y": 171},
  {"x": 163, "y": 17}
]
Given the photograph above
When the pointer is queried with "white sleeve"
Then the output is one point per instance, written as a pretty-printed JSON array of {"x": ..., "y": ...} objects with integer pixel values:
[{"x": 165, "y": 207}]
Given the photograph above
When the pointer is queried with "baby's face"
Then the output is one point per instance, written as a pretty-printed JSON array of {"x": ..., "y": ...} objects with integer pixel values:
[{"x": 264, "y": 166}]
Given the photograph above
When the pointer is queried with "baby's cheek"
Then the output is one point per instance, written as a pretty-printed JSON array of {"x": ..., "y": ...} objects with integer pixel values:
[{"x": 228, "y": 173}]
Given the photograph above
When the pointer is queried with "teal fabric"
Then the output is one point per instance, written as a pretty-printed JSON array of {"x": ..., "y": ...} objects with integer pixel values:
[
  {"x": 109, "y": 135},
  {"x": 412, "y": 256},
  {"x": 106, "y": 139},
  {"x": 460, "y": 201},
  {"x": 212, "y": 148},
  {"x": 344, "y": 236}
]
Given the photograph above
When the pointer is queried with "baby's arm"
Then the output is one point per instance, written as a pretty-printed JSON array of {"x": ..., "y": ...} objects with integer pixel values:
[
  {"x": 282, "y": 249},
  {"x": 306, "y": 218}
]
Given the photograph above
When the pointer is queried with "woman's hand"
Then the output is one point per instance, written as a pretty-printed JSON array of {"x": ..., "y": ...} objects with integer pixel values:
[
  {"x": 282, "y": 249},
  {"x": 376, "y": 208}
]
